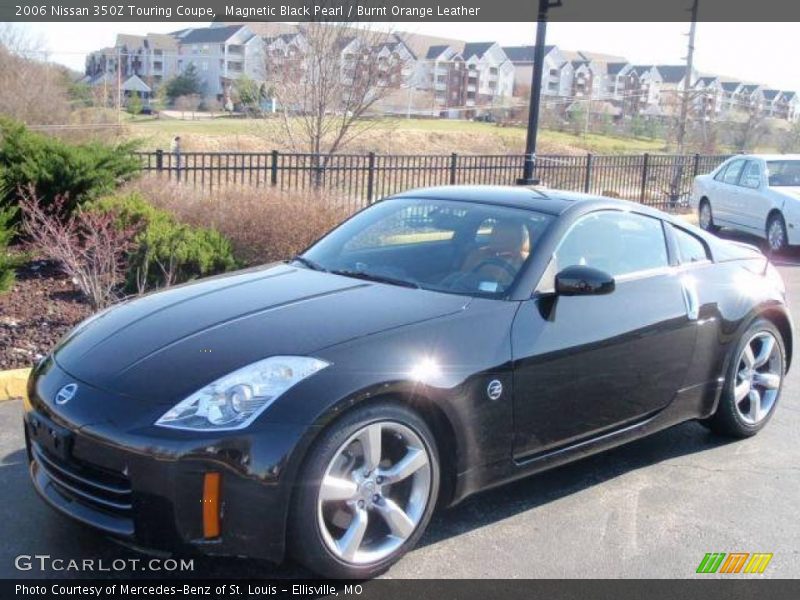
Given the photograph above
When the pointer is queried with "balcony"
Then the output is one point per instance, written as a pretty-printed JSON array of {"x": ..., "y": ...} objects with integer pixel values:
[
  {"x": 236, "y": 49},
  {"x": 235, "y": 67},
  {"x": 472, "y": 88}
]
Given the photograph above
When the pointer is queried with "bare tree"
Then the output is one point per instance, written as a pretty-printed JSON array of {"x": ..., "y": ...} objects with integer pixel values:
[
  {"x": 749, "y": 133},
  {"x": 324, "y": 95},
  {"x": 188, "y": 103},
  {"x": 90, "y": 246},
  {"x": 31, "y": 90}
]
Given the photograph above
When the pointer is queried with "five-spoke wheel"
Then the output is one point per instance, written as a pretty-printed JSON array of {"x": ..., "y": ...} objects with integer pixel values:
[
  {"x": 368, "y": 491},
  {"x": 374, "y": 492},
  {"x": 754, "y": 382}
]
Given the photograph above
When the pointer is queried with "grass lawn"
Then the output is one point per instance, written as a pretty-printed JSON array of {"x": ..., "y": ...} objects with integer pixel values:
[{"x": 158, "y": 133}]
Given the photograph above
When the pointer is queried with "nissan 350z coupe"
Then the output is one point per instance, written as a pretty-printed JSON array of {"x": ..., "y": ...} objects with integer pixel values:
[{"x": 438, "y": 343}]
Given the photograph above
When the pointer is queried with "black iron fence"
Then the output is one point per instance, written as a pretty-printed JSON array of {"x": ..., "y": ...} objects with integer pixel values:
[{"x": 661, "y": 180}]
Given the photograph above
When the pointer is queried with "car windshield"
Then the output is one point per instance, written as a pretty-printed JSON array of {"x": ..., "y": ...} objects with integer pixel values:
[
  {"x": 783, "y": 173},
  {"x": 447, "y": 246}
]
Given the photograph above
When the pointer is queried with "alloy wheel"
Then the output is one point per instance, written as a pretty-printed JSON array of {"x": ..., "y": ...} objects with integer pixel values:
[
  {"x": 776, "y": 235},
  {"x": 705, "y": 215},
  {"x": 374, "y": 492},
  {"x": 758, "y": 378}
]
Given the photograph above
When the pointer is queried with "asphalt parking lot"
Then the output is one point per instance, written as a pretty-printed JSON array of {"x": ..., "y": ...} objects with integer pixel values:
[{"x": 649, "y": 509}]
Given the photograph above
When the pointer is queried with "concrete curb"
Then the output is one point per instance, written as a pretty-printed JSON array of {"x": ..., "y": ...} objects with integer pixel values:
[{"x": 14, "y": 384}]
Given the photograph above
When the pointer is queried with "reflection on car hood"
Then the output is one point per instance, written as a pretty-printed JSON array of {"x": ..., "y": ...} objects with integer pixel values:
[{"x": 190, "y": 335}]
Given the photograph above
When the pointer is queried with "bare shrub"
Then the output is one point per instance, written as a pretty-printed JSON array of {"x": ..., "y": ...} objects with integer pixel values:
[
  {"x": 264, "y": 225},
  {"x": 90, "y": 247}
]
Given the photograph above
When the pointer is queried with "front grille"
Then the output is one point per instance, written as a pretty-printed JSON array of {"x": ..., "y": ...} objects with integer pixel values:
[{"x": 102, "y": 490}]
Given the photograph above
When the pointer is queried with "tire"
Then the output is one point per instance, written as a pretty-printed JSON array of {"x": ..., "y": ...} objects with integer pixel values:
[
  {"x": 320, "y": 526},
  {"x": 742, "y": 418},
  {"x": 706, "y": 224},
  {"x": 777, "y": 238}
]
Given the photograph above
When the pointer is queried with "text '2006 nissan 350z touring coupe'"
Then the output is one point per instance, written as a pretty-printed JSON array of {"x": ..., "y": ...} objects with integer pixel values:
[{"x": 440, "y": 342}]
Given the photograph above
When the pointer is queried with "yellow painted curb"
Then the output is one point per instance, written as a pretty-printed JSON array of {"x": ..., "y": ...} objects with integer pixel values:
[{"x": 14, "y": 384}]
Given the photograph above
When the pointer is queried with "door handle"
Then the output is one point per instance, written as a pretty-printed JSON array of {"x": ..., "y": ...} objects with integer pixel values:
[{"x": 689, "y": 288}]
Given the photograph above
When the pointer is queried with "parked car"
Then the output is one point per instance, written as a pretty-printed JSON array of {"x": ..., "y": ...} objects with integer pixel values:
[
  {"x": 755, "y": 193},
  {"x": 438, "y": 343}
]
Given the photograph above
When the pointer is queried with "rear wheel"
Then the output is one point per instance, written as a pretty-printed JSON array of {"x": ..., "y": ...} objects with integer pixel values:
[
  {"x": 366, "y": 492},
  {"x": 705, "y": 217},
  {"x": 776, "y": 233},
  {"x": 753, "y": 383}
]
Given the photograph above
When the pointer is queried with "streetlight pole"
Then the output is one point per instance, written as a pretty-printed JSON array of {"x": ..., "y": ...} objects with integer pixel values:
[{"x": 536, "y": 92}]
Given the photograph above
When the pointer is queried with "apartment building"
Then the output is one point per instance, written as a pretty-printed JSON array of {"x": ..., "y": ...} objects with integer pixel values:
[{"x": 438, "y": 76}]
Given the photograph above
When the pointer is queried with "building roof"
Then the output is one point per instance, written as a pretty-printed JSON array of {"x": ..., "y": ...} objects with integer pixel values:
[
  {"x": 476, "y": 49},
  {"x": 161, "y": 41},
  {"x": 614, "y": 68},
  {"x": 731, "y": 86},
  {"x": 672, "y": 73},
  {"x": 706, "y": 80},
  {"x": 210, "y": 35},
  {"x": 134, "y": 84},
  {"x": 789, "y": 95},
  {"x": 436, "y": 51},
  {"x": 771, "y": 94},
  {"x": 129, "y": 40},
  {"x": 523, "y": 54}
]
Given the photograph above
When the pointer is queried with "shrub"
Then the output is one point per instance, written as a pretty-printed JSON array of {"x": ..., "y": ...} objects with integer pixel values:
[
  {"x": 73, "y": 173},
  {"x": 7, "y": 264},
  {"x": 165, "y": 251},
  {"x": 89, "y": 246},
  {"x": 263, "y": 224}
]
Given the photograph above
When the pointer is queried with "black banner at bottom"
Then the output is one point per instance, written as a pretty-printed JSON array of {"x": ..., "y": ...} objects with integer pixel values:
[{"x": 397, "y": 589}]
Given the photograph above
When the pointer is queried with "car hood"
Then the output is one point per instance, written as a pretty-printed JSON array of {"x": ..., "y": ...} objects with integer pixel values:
[{"x": 167, "y": 345}]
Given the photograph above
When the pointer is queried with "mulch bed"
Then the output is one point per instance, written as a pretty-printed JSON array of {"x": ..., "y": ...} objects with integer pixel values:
[{"x": 42, "y": 306}]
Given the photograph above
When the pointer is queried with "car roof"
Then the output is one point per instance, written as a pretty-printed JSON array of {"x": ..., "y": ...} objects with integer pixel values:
[
  {"x": 769, "y": 156},
  {"x": 540, "y": 199}
]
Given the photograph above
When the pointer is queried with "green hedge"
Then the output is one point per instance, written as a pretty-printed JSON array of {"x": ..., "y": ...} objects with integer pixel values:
[
  {"x": 167, "y": 252},
  {"x": 79, "y": 172},
  {"x": 7, "y": 264}
]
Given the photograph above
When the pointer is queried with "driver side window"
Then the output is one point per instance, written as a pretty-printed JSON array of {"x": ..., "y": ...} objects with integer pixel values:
[{"x": 619, "y": 243}]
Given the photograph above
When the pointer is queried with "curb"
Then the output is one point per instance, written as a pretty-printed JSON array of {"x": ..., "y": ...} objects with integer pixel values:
[{"x": 14, "y": 384}]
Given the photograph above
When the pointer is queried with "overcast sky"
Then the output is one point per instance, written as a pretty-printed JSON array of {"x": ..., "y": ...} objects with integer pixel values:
[{"x": 760, "y": 52}]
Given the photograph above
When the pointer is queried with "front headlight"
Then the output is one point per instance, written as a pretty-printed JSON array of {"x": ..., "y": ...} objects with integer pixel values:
[{"x": 235, "y": 400}]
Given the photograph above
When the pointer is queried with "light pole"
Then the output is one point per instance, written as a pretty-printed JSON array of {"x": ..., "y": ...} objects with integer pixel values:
[{"x": 536, "y": 92}]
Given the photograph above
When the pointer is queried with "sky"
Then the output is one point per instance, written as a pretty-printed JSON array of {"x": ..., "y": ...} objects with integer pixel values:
[{"x": 746, "y": 51}]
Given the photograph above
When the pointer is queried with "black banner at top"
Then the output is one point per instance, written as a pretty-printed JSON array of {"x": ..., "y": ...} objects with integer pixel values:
[{"x": 396, "y": 10}]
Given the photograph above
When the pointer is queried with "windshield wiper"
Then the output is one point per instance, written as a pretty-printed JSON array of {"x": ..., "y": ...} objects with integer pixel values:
[
  {"x": 309, "y": 263},
  {"x": 376, "y": 277}
]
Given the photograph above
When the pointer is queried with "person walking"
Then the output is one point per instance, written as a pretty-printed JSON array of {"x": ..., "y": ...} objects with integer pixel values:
[{"x": 175, "y": 149}]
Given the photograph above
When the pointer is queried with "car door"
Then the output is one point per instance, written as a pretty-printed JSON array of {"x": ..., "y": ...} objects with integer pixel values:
[
  {"x": 754, "y": 205},
  {"x": 586, "y": 365},
  {"x": 724, "y": 196}
]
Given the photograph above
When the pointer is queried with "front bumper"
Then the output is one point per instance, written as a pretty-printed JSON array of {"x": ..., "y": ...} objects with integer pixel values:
[{"x": 149, "y": 491}]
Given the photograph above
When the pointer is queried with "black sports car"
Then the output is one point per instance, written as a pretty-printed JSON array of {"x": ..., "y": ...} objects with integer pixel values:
[{"x": 437, "y": 343}]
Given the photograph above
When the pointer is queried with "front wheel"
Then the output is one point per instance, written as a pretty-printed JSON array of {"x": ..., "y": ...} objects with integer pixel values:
[
  {"x": 366, "y": 492},
  {"x": 777, "y": 238},
  {"x": 753, "y": 383}
]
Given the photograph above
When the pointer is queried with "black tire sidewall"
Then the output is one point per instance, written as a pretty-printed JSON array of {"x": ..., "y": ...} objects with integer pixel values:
[{"x": 305, "y": 539}]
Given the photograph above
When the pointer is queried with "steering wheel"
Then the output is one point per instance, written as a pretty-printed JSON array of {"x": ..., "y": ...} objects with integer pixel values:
[{"x": 495, "y": 262}]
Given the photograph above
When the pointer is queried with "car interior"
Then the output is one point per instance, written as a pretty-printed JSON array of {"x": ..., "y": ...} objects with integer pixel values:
[{"x": 476, "y": 250}]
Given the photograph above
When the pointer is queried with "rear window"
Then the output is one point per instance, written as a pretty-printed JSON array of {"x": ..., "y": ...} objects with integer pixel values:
[{"x": 690, "y": 248}]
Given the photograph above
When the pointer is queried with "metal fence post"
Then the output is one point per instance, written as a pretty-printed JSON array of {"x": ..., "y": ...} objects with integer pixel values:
[
  {"x": 371, "y": 178},
  {"x": 587, "y": 181},
  {"x": 159, "y": 160},
  {"x": 453, "y": 163},
  {"x": 645, "y": 165},
  {"x": 696, "y": 165},
  {"x": 273, "y": 178}
]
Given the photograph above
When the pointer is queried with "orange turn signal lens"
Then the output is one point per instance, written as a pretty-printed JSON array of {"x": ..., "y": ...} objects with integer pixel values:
[{"x": 211, "y": 489}]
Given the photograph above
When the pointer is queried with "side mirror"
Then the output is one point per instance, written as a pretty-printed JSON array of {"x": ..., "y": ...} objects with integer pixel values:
[{"x": 583, "y": 281}]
